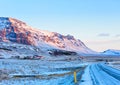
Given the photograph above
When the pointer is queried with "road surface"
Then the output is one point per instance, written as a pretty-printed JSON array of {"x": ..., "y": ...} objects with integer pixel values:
[{"x": 100, "y": 74}]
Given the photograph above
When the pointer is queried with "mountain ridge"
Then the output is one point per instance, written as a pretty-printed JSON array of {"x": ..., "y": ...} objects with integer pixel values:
[{"x": 13, "y": 30}]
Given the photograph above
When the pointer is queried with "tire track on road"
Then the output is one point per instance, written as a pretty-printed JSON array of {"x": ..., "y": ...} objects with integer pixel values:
[{"x": 101, "y": 77}]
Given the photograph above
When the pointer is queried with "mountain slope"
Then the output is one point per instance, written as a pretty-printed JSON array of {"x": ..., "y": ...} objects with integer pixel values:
[
  {"x": 13, "y": 30},
  {"x": 12, "y": 50}
]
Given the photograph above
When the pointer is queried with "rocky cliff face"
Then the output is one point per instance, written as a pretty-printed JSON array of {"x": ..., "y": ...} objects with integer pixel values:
[{"x": 13, "y": 30}]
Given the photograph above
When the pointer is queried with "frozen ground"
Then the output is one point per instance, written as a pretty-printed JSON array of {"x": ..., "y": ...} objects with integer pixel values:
[
  {"x": 115, "y": 64},
  {"x": 38, "y": 72}
]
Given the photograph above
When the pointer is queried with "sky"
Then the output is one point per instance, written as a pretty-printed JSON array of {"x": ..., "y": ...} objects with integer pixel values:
[{"x": 95, "y": 22}]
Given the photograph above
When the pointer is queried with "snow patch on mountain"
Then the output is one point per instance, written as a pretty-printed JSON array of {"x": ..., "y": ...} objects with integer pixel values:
[{"x": 4, "y": 23}]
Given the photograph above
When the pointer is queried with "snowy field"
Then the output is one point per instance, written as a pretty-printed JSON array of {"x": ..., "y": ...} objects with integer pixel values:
[
  {"x": 115, "y": 64},
  {"x": 42, "y": 72},
  {"x": 39, "y": 72}
]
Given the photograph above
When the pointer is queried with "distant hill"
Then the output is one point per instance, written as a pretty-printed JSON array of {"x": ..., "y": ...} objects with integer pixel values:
[{"x": 111, "y": 52}]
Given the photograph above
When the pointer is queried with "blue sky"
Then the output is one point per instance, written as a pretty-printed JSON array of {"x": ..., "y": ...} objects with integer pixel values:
[{"x": 95, "y": 22}]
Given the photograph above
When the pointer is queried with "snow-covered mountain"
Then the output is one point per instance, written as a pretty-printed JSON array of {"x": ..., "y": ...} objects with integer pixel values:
[
  {"x": 111, "y": 52},
  {"x": 13, "y": 30}
]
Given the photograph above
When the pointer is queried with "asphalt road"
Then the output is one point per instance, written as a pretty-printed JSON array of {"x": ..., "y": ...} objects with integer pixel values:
[{"x": 102, "y": 74}]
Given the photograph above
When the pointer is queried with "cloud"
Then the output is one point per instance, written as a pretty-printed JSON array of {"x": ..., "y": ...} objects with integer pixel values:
[
  {"x": 103, "y": 41},
  {"x": 118, "y": 35},
  {"x": 104, "y": 34},
  {"x": 101, "y": 45}
]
